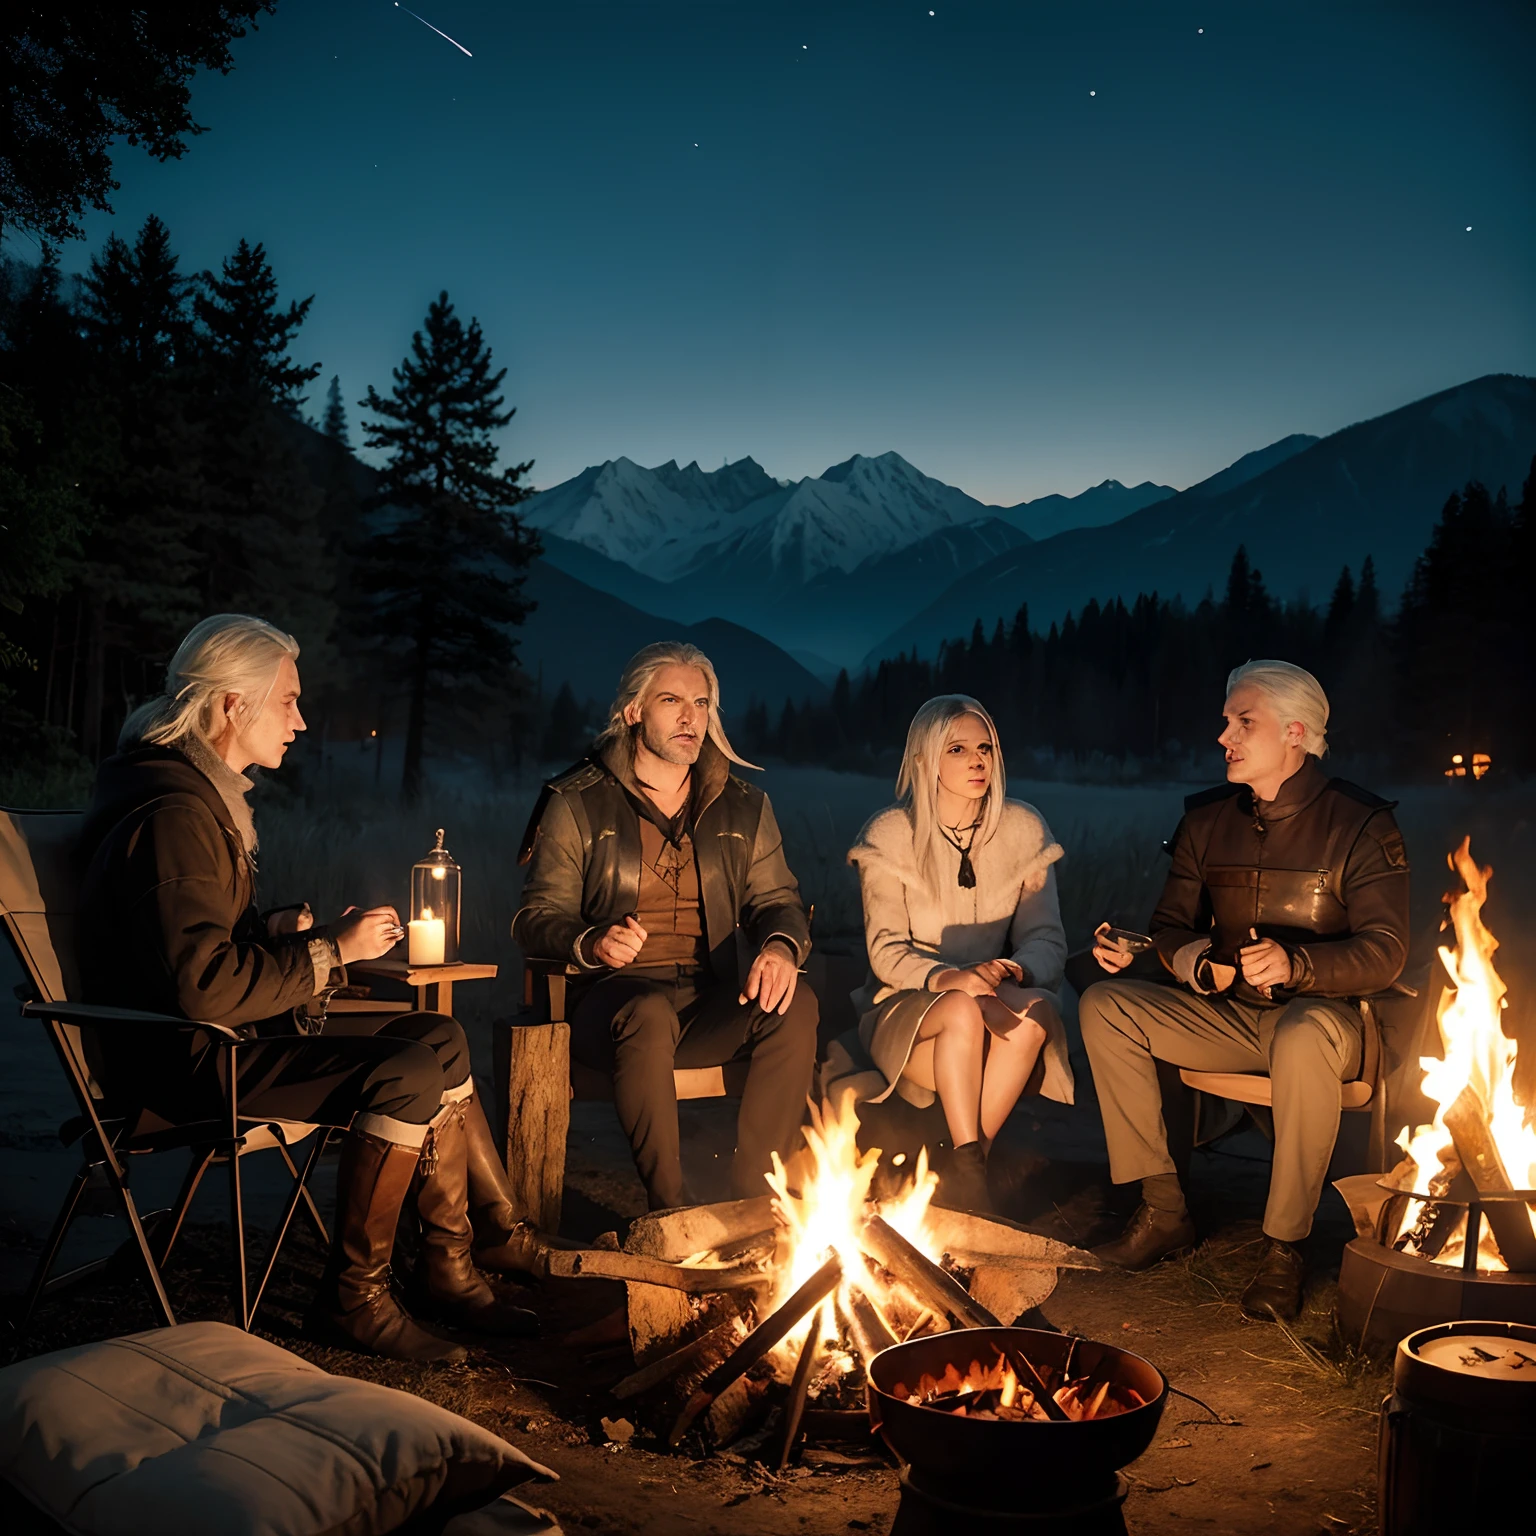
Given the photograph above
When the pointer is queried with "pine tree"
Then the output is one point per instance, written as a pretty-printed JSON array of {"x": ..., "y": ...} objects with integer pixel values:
[
  {"x": 248, "y": 334},
  {"x": 137, "y": 576},
  {"x": 134, "y": 303},
  {"x": 334, "y": 422},
  {"x": 260, "y": 539},
  {"x": 445, "y": 560}
]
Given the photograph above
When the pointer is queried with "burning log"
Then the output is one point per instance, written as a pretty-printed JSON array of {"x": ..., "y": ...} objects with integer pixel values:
[
  {"x": 935, "y": 1289},
  {"x": 758, "y": 1343},
  {"x": 696, "y": 1280},
  {"x": 1035, "y": 1382},
  {"x": 1467, "y": 1121},
  {"x": 689, "y": 1357},
  {"x": 794, "y": 1409},
  {"x": 871, "y": 1331}
]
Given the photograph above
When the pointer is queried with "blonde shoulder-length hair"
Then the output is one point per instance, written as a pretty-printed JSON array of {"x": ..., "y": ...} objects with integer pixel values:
[
  {"x": 639, "y": 675},
  {"x": 227, "y": 653},
  {"x": 917, "y": 784}
]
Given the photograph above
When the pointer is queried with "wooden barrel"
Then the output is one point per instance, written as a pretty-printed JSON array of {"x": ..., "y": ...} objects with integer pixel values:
[{"x": 1458, "y": 1433}]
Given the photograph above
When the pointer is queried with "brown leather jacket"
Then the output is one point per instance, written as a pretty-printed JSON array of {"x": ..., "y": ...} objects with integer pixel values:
[
  {"x": 1324, "y": 873},
  {"x": 582, "y": 848}
]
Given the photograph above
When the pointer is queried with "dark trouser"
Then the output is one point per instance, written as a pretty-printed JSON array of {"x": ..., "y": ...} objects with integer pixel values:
[
  {"x": 639, "y": 1026},
  {"x": 392, "y": 1074}
]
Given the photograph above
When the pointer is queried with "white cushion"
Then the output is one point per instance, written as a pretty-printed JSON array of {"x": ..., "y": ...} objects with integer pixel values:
[{"x": 205, "y": 1428}]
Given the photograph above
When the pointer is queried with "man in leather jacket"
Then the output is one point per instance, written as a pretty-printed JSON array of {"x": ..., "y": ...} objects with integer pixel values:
[
  {"x": 1287, "y": 902},
  {"x": 659, "y": 878}
]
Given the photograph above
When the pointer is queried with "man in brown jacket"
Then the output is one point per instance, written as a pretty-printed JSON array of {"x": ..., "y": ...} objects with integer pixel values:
[
  {"x": 659, "y": 877},
  {"x": 1287, "y": 902}
]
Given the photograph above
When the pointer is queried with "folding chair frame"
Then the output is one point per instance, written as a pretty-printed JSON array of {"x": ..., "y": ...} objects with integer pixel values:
[{"x": 108, "y": 1141}]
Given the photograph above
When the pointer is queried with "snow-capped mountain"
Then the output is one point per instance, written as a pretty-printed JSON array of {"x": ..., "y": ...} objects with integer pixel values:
[{"x": 655, "y": 520}]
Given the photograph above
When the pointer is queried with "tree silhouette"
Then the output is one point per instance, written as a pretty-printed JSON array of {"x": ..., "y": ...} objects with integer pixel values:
[
  {"x": 81, "y": 74},
  {"x": 334, "y": 422},
  {"x": 247, "y": 334},
  {"x": 444, "y": 562},
  {"x": 134, "y": 303}
]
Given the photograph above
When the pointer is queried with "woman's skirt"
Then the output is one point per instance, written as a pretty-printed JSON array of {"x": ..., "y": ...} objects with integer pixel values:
[{"x": 889, "y": 1030}]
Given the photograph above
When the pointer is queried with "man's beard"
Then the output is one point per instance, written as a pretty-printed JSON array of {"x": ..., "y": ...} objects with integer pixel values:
[{"x": 680, "y": 754}]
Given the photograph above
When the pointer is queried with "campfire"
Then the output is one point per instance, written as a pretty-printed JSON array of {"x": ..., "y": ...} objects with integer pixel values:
[
  {"x": 999, "y": 1391},
  {"x": 1480, "y": 1149},
  {"x": 784, "y": 1301}
]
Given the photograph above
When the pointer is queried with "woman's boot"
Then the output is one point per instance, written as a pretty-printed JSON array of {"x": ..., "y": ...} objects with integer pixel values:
[
  {"x": 502, "y": 1241},
  {"x": 963, "y": 1184},
  {"x": 445, "y": 1272},
  {"x": 354, "y": 1306}
]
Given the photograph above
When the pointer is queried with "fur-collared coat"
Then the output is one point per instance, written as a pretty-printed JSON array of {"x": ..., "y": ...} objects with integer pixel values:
[{"x": 914, "y": 928}]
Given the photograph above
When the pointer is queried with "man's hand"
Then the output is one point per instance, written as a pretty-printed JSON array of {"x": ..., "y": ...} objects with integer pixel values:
[
  {"x": 1266, "y": 964},
  {"x": 771, "y": 981},
  {"x": 980, "y": 980},
  {"x": 290, "y": 920},
  {"x": 618, "y": 945},
  {"x": 366, "y": 935},
  {"x": 1110, "y": 956}
]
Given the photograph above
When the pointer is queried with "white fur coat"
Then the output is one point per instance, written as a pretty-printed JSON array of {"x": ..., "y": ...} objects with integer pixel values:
[{"x": 913, "y": 930}]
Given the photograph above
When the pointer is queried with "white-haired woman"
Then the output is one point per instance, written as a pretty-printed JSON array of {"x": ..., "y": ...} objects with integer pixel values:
[
  {"x": 965, "y": 941},
  {"x": 169, "y": 924}
]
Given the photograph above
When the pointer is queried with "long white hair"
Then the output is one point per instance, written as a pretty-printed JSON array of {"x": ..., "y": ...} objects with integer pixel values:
[
  {"x": 640, "y": 673},
  {"x": 228, "y": 653},
  {"x": 1294, "y": 692},
  {"x": 917, "y": 784}
]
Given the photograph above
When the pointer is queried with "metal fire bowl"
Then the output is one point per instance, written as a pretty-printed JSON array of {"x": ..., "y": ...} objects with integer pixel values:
[
  {"x": 1384, "y": 1295},
  {"x": 1009, "y": 1465}
]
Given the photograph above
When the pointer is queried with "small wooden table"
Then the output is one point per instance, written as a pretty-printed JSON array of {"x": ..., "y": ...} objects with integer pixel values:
[{"x": 437, "y": 980}]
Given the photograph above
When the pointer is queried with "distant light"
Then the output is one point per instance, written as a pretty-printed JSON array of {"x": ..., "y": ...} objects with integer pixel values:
[
  {"x": 1093, "y": 93},
  {"x": 930, "y": 13},
  {"x": 1200, "y": 31},
  {"x": 1469, "y": 229}
]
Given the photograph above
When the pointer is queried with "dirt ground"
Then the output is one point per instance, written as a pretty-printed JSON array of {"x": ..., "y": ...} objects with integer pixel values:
[{"x": 1282, "y": 1439}]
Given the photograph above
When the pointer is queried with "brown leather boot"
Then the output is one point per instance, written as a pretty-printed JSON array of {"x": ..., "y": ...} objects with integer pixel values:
[
  {"x": 1150, "y": 1235},
  {"x": 445, "y": 1273},
  {"x": 503, "y": 1242},
  {"x": 354, "y": 1306},
  {"x": 1275, "y": 1290}
]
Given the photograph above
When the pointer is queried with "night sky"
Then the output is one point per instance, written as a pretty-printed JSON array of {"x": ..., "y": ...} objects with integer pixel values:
[{"x": 1027, "y": 246}]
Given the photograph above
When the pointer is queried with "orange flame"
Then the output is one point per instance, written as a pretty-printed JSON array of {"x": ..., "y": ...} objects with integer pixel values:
[{"x": 1477, "y": 1055}]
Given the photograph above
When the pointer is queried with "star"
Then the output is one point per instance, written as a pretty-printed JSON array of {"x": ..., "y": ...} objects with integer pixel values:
[
  {"x": 1200, "y": 31},
  {"x": 1093, "y": 93},
  {"x": 1469, "y": 229}
]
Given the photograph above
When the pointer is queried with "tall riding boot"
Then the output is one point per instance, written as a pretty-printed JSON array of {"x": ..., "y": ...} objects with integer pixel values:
[
  {"x": 445, "y": 1273},
  {"x": 502, "y": 1241},
  {"x": 354, "y": 1305}
]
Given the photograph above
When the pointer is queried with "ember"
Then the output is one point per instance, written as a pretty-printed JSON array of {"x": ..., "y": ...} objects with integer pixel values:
[
  {"x": 1480, "y": 1135},
  {"x": 996, "y": 1392}
]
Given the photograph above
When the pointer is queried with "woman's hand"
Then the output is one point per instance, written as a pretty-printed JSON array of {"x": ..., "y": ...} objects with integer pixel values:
[
  {"x": 290, "y": 920},
  {"x": 1110, "y": 956},
  {"x": 366, "y": 935},
  {"x": 980, "y": 980}
]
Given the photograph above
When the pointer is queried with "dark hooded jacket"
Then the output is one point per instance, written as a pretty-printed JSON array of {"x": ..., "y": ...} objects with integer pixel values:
[
  {"x": 1321, "y": 870},
  {"x": 168, "y": 920},
  {"x": 582, "y": 848}
]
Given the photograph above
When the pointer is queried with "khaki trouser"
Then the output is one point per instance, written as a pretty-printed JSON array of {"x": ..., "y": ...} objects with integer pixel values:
[{"x": 1308, "y": 1047}]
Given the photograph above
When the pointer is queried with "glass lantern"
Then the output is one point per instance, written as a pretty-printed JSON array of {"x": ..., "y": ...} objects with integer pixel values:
[{"x": 434, "y": 922}]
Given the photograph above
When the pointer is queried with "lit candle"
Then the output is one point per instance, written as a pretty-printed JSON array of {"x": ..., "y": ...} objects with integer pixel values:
[{"x": 425, "y": 944}]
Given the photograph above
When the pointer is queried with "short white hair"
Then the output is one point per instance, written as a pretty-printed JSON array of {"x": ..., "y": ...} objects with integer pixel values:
[
  {"x": 227, "y": 653},
  {"x": 1294, "y": 692},
  {"x": 917, "y": 782}
]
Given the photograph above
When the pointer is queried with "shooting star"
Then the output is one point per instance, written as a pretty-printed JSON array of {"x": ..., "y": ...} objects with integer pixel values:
[{"x": 428, "y": 25}]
